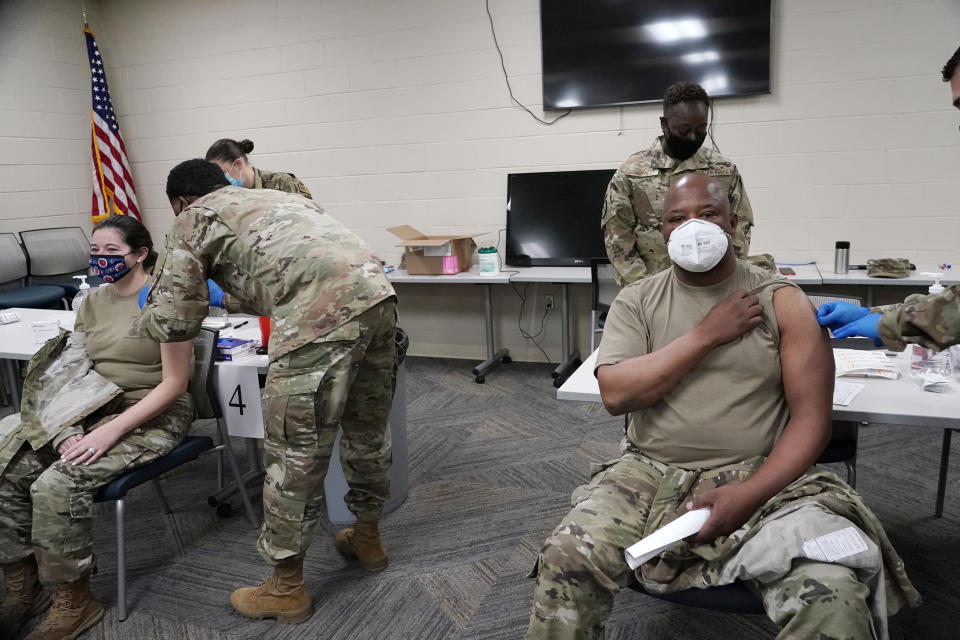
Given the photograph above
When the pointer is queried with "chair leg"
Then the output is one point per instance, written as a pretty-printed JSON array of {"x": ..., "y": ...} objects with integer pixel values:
[
  {"x": 593, "y": 331},
  {"x": 163, "y": 499},
  {"x": 220, "y": 447},
  {"x": 121, "y": 564},
  {"x": 944, "y": 468},
  {"x": 237, "y": 476}
]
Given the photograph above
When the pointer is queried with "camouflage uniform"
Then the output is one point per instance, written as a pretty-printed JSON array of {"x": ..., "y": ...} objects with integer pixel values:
[
  {"x": 634, "y": 204},
  {"x": 931, "y": 320},
  {"x": 46, "y": 504},
  {"x": 279, "y": 181},
  {"x": 582, "y": 566},
  {"x": 331, "y": 347}
]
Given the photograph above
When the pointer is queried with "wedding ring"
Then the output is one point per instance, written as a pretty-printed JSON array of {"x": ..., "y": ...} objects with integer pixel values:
[{"x": 92, "y": 449}]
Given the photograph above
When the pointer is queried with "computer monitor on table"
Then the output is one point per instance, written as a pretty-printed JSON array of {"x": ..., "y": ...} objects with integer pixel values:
[{"x": 553, "y": 218}]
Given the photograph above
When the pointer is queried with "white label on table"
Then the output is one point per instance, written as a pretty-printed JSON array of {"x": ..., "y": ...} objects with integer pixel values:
[
  {"x": 835, "y": 546},
  {"x": 845, "y": 392},
  {"x": 239, "y": 393}
]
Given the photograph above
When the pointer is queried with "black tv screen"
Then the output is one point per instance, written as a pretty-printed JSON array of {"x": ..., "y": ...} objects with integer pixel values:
[
  {"x": 616, "y": 52},
  {"x": 553, "y": 218}
]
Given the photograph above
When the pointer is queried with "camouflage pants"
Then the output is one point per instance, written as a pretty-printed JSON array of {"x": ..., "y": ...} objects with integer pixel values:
[
  {"x": 581, "y": 567},
  {"x": 46, "y": 504},
  {"x": 345, "y": 379}
]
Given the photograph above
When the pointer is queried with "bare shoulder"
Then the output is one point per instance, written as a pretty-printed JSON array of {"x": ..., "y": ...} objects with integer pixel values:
[{"x": 795, "y": 312}]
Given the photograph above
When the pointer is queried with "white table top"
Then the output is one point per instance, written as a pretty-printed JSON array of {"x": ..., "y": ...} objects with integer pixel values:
[
  {"x": 806, "y": 274},
  {"x": 579, "y": 275},
  {"x": 465, "y": 277},
  {"x": 17, "y": 339},
  {"x": 889, "y": 401},
  {"x": 249, "y": 331},
  {"x": 860, "y": 277}
]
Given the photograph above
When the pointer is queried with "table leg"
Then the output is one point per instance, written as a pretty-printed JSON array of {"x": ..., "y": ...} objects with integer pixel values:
[
  {"x": 494, "y": 358},
  {"x": 868, "y": 296},
  {"x": 944, "y": 468},
  {"x": 571, "y": 357},
  {"x": 13, "y": 382}
]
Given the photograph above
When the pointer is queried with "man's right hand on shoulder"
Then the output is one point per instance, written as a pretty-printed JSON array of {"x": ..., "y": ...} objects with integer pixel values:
[{"x": 731, "y": 318}]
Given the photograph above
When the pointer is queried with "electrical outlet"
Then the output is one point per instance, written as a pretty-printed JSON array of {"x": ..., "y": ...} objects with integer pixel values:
[{"x": 548, "y": 301}]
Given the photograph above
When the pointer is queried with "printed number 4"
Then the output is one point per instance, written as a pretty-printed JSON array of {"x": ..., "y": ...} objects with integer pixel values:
[{"x": 236, "y": 400}]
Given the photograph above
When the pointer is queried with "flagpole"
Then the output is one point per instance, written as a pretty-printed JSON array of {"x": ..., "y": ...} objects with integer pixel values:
[{"x": 83, "y": 11}]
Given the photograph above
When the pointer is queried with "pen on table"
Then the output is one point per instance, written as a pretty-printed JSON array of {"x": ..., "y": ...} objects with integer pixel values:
[{"x": 237, "y": 326}]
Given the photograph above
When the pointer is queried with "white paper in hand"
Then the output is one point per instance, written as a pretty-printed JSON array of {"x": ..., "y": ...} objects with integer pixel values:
[{"x": 686, "y": 525}]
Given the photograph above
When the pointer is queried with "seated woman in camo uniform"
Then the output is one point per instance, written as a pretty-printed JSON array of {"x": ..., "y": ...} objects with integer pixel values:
[{"x": 46, "y": 494}]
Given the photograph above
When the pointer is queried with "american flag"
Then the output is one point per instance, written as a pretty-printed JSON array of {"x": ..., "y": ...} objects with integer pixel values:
[{"x": 113, "y": 192}]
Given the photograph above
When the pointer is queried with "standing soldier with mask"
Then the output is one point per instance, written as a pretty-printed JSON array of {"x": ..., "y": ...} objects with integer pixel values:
[
  {"x": 332, "y": 358},
  {"x": 929, "y": 320},
  {"x": 634, "y": 201},
  {"x": 231, "y": 157}
]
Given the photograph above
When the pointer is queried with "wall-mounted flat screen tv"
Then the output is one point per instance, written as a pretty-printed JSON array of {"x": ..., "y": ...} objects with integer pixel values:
[
  {"x": 553, "y": 218},
  {"x": 617, "y": 52}
]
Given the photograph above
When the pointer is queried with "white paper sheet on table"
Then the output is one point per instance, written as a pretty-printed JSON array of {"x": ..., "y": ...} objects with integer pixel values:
[
  {"x": 683, "y": 527},
  {"x": 871, "y": 364},
  {"x": 844, "y": 392}
]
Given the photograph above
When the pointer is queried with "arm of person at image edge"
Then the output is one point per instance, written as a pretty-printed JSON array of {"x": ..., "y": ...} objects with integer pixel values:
[
  {"x": 931, "y": 320},
  {"x": 179, "y": 298},
  {"x": 175, "y": 365},
  {"x": 807, "y": 368},
  {"x": 618, "y": 222}
]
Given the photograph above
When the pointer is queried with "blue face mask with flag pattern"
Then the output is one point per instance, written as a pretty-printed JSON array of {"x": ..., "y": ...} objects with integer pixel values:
[{"x": 109, "y": 268}]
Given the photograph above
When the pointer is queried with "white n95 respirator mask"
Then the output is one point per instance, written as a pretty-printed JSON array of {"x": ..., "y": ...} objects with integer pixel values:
[{"x": 697, "y": 245}]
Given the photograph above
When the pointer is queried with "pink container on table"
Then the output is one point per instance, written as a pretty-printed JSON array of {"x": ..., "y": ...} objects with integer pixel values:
[{"x": 451, "y": 264}]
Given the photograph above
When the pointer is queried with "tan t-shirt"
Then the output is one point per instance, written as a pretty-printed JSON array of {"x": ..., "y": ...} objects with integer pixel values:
[
  {"x": 130, "y": 362},
  {"x": 731, "y": 405}
]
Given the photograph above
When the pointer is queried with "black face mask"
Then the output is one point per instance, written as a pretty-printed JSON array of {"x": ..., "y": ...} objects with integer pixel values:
[{"x": 681, "y": 148}]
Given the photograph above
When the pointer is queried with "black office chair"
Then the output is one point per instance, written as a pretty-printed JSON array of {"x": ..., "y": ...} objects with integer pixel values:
[
  {"x": 187, "y": 451},
  {"x": 14, "y": 292},
  {"x": 56, "y": 255}
]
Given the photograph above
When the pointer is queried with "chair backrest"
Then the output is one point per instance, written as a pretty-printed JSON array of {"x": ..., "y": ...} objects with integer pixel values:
[
  {"x": 58, "y": 251},
  {"x": 13, "y": 263},
  {"x": 202, "y": 386},
  {"x": 863, "y": 344},
  {"x": 603, "y": 284},
  {"x": 818, "y": 299}
]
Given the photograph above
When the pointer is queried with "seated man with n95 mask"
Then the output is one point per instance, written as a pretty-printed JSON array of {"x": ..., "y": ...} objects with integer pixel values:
[{"x": 728, "y": 380}]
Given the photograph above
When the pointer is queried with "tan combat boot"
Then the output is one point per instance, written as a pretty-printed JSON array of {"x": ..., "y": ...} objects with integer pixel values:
[
  {"x": 25, "y": 597},
  {"x": 283, "y": 596},
  {"x": 74, "y": 611},
  {"x": 363, "y": 543}
]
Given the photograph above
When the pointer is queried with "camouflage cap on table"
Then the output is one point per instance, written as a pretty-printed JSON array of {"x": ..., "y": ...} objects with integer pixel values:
[{"x": 888, "y": 268}]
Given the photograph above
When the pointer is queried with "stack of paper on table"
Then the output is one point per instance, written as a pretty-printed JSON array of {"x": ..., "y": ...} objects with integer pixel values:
[{"x": 873, "y": 364}]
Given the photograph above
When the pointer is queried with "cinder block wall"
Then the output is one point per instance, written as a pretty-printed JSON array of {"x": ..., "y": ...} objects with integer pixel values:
[{"x": 396, "y": 112}]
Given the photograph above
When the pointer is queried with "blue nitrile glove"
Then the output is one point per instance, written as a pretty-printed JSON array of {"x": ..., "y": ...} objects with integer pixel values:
[
  {"x": 216, "y": 294},
  {"x": 142, "y": 296},
  {"x": 867, "y": 326},
  {"x": 838, "y": 313}
]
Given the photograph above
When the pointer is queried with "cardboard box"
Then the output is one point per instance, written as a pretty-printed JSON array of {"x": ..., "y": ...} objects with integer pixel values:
[{"x": 424, "y": 254}]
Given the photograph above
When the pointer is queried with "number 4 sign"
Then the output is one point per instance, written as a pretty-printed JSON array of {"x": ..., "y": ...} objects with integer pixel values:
[{"x": 239, "y": 395}]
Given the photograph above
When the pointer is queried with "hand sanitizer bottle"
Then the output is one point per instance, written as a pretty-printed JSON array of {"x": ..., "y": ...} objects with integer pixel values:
[{"x": 82, "y": 294}]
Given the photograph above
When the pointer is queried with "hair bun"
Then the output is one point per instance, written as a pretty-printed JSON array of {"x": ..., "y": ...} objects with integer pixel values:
[{"x": 246, "y": 146}]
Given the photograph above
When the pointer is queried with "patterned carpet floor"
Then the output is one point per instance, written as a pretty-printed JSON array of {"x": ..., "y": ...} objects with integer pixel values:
[{"x": 491, "y": 470}]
